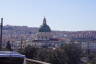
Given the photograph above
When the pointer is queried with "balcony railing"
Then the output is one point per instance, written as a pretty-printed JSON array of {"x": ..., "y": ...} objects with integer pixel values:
[{"x": 31, "y": 61}]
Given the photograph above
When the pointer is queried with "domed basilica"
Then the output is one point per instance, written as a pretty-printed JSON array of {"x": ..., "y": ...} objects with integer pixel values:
[
  {"x": 44, "y": 32},
  {"x": 44, "y": 37},
  {"x": 44, "y": 27}
]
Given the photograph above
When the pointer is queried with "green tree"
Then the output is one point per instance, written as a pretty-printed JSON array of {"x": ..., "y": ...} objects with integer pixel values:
[
  {"x": 73, "y": 53},
  {"x": 92, "y": 58},
  {"x": 68, "y": 54},
  {"x": 8, "y": 46},
  {"x": 30, "y": 51}
]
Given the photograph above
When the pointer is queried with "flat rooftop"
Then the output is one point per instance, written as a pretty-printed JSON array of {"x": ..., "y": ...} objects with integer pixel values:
[{"x": 10, "y": 54}]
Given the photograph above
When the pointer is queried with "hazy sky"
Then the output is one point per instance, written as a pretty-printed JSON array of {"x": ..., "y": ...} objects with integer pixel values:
[{"x": 60, "y": 14}]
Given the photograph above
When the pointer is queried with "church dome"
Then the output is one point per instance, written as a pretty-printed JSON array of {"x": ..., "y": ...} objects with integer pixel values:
[{"x": 44, "y": 27}]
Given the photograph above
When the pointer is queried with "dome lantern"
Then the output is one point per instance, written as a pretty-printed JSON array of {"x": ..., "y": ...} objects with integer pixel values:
[{"x": 44, "y": 27}]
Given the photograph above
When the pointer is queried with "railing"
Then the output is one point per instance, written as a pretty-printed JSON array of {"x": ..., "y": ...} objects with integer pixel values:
[{"x": 31, "y": 61}]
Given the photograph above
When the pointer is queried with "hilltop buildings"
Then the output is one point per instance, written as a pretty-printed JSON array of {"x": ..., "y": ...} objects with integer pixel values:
[
  {"x": 20, "y": 37},
  {"x": 44, "y": 37}
]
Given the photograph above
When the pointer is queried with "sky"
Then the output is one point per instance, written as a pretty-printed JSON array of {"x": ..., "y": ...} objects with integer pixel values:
[{"x": 64, "y": 15}]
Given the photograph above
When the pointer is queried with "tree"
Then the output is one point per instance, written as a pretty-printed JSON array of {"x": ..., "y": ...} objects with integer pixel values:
[
  {"x": 69, "y": 54},
  {"x": 92, "y": 58},
  {"x": 73, "y": 53},
  {"x": 8, "y": 46},
  {"x": 30, "y": 51}
]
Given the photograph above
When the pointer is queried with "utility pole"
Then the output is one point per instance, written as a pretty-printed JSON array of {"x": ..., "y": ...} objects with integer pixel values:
[
  {"x": 1, "y": 33},
  {"x": 88, "y": 50},
  {"x": 21, "y": 42}
]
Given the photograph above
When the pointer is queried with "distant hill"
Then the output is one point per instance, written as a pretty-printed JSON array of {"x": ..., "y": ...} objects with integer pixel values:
[
  {"x": 18, "y": 32},
  {"x": 22, "y": 29}
]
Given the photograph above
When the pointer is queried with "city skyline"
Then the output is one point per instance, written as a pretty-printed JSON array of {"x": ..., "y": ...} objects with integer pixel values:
[{"x": 71, "y": 15}]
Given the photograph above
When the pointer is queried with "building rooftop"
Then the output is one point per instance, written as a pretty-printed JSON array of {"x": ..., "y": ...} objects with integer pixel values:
[{"x": 10, "y": 54}]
